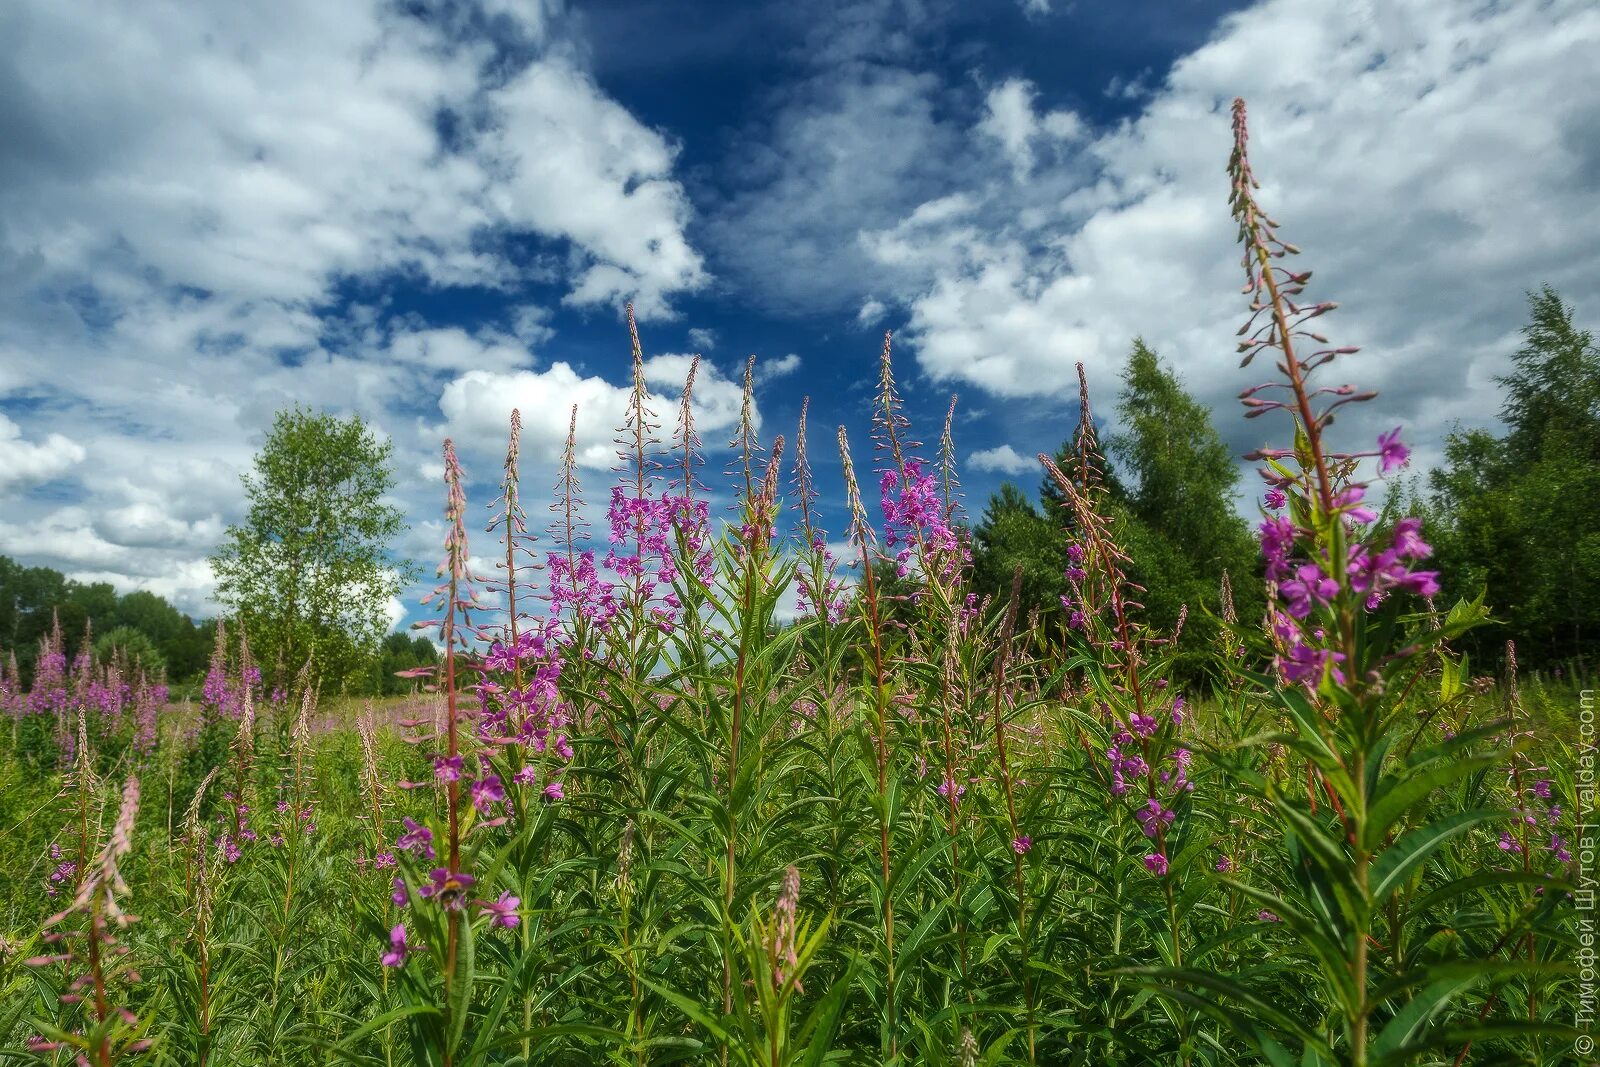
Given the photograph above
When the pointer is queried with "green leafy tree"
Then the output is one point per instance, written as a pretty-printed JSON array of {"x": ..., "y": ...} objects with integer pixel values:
[
  {"x": 1183, "y": 482},
  {"x": 310, "y": 572},
  {"x": 400, "y": 653},
  {"x": 129, "y": 648},
  {"x": 1518, "y": 515},
  {"x": 1013, "y": 532}
]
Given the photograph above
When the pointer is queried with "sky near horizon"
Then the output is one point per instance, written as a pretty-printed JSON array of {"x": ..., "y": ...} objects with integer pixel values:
[{"x": 427, "y": 213}]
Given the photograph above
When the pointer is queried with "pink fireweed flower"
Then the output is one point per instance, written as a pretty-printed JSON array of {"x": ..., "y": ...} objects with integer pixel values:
[
  {"x": 1021, "y": 845},
  {"x": 399, "y": 948},
  {"x": 1267, "y": 917},
  {"x": 1275, "y": 498},
  {"x": 1225, "y": 865},
  {"x": 447, "y": 768},
  {"x": 1153, "y": 817},
  {"x": 416, "y": 838},
  {"x": 502, "y": 912},
  {"x": 487, "y": 792},
  {"x": 1558, "y": 846},
  {"x": 1392, "y": 455},
  {"x": 1156, "y": 863},
  {"x": 554, "y": 791},
  {"x": 400, "y": 896}
]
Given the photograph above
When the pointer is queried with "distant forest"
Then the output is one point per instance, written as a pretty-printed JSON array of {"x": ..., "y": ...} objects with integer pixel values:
[{"x": 146, "y": 630}]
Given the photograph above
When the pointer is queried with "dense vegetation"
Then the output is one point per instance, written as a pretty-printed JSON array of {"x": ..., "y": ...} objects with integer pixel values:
[{"x": 642, "y": 822}]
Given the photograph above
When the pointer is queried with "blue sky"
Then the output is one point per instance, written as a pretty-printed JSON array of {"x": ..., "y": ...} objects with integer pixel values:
[{"x": 426, "y": 212}]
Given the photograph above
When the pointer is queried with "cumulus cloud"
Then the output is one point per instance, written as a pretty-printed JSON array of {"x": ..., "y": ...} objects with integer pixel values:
[
  {"x": 702, "y": 340},
  {"x": 781, "y": 367},
  {"x": 841, "y": 155},
  {"x": 1426, "y": 196},
  {"x": 1002, "y": 459},
  {"x": 1011, "y": 119},
  {"x": 207, "y": 209},
  {"x": 477, "y": 406},
  {"x": 23, "y": 462},
  {"x": 220, "y": 150}
]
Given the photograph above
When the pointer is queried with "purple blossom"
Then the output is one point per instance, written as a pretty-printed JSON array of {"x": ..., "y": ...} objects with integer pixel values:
[
  {"x": 1391, "y": 453},
  {"x": 1156, "y": 863},
  {"x": 399, "y": 949},
  {"x": 487, "y": 792},
  {"x": 416, "y": 838},
  {"x": 1021, "y": 845},
  {"x": 502, "y": 912},
  {"x": 1153, "y": 817}
]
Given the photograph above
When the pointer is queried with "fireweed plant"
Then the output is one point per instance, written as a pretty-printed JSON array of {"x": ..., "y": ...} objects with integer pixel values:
[
  {"x": 698, "y": 780},
  {"x": 1370, "y": 876}
]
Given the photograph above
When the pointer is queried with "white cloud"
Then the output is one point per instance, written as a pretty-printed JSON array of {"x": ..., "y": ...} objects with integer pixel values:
[
  {"x": 477, "y": 406},
  {"x": 1426, "y": 196},
  {"x": 844, "y": 153},
  {"x": 702, "y": 340},
  {"x": 582, "y": 167},
  {"x": 1010, "y": 119},
  {"x": 260, "y": 158},
  {"x": 23, "y": 462},
  {"x": 872, "y": 312},
  {"x": 780, "y": 367},
  {"x": 1002, "y": 459},
  {"x": 190, "y": 196}
]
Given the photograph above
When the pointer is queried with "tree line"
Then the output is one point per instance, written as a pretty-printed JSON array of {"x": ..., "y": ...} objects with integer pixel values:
[{"x": 1513, "y": 515}]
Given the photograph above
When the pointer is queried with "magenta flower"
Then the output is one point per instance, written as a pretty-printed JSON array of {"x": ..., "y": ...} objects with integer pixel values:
[
  {"x": 1021, "y": 845},
  {"x": 400, "y": 897},
  {"x": 503, "y": 912},
  {"x": 554, "y": 791},
  {"x": 1391, "y": 453},
  {"x": 1558, "y": 845},
  {"x": 399, "y": 949},
  {"x": 1275, "y": 498},
  {"x": 487, "y": 792},
  {"x": 1153, "y": 817},
  {"x": 416, "y": 838},
  {"x": 1225, "y": 865},
  {"x": 447, "y": 768},
  {"x": 1267, "y": 917},
  {"x": 1156, "y": 863}
]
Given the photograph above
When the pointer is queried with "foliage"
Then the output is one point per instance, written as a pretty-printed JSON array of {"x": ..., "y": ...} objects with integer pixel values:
[
  {"x": 35, "y": 600},
  {"x": 309, "y": 573},
  {"x": 1519, "y": 514}
]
